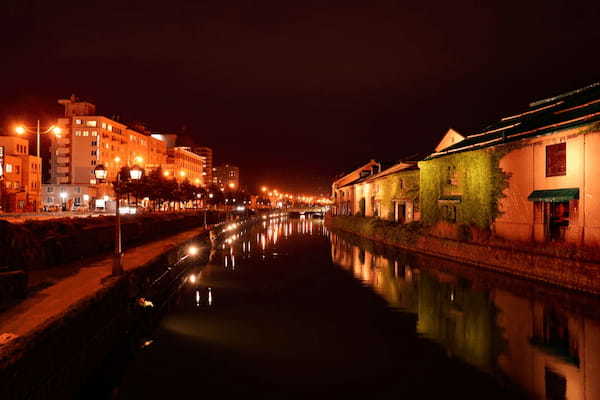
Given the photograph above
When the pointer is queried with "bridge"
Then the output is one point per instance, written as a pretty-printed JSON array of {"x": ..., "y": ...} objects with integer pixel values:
[{"x": 316, "y": 212}]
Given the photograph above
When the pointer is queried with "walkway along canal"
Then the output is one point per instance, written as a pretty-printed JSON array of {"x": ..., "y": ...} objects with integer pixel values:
[{"x": 287, "y": 309}]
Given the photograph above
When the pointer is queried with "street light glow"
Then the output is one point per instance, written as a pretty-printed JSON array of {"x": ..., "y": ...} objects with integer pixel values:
[
  {"x": 63, "y": 195},
  {"x": 193, "y": 250},
  {"x": 20, "y": 130},
  {"x": 56, "y": 130}
]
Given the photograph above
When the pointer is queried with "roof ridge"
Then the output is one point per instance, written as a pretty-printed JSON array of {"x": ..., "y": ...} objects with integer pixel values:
[{"x": 563, "y": 95}]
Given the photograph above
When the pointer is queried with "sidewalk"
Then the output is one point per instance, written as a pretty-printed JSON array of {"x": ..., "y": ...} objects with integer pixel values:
[{"x": 56, "y": 299}]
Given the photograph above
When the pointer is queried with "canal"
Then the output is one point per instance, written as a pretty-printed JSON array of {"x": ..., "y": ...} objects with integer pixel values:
[{"x": 287, "y": 309}]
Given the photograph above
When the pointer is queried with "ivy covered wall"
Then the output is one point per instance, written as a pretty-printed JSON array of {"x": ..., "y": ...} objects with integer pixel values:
[
  {"x": 400, "y": 185},
  {"x": 463, "y": 188}
]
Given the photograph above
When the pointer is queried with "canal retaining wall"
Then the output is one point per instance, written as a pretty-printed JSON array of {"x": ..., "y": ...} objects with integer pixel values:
[
  {"x": 571, "y": 273},
  {"x": 43, "y": 244},
  {"x": 56, "y": 357}
]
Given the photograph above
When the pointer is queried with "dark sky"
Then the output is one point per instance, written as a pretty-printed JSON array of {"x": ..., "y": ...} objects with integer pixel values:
[{"x": 296, "y": 92}]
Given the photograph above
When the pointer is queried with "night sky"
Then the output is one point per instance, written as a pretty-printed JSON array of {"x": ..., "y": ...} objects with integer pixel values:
[{"x": 296, "y": 92}]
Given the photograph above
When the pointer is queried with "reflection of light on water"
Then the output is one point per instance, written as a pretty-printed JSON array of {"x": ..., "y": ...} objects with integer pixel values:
[
  {"x": 225, "y": 261},
  {"x": 209, "y": 297},
  {"x": 197, "y": 298},
  {"x": 192, "y": 278},
  {"x": 233, "y": 261}
]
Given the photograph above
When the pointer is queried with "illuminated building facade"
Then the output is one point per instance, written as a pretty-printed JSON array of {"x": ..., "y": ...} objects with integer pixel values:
[
  {"x": 207, "y": 168},
  {"x": 547, "y": 157},
  {"x": 183, "y": 164},
  {"x": 227, "y": 177},
  {"x": 21, "y": 182}
]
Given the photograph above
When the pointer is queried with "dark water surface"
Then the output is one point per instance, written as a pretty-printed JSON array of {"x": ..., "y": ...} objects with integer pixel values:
[{"x": 287, "y": 309}]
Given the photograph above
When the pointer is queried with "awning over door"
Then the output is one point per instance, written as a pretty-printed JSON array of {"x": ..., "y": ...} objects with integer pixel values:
[{"x": 555, "y": 195}]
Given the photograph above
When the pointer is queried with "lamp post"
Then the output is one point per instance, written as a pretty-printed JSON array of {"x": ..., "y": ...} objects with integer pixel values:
[
  {"x": 63, "y": 202},
  {"x": 21, "y": 130},
  {"x": 135, "y": 173}
]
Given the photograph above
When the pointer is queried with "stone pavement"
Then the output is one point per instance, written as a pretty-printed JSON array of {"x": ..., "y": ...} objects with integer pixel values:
[{"x": 56, "y": 299}]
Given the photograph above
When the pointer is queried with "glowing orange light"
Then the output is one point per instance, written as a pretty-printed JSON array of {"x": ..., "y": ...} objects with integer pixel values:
[
  {"x": 20, "y": 130},
  {"x": 231, "y": 185},
  {"x": 182, "y": 173},
  {"x": 56, "y": 130},
  {"x": 139, "y": 159},
  {"x": 117, "y": 159},
  {"x": 166, "y": 173}
]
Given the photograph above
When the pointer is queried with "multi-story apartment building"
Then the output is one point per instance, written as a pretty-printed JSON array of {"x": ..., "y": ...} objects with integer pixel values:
[
  {"x": 207, "y": 153},
  {"x": 227, "y": 177},
  {"x": 183, "y": 164},
  {"x": 89, "y": 139},
  {"x": 21, "y": 175}
]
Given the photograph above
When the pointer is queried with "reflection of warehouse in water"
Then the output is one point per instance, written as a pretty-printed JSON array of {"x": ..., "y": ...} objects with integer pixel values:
[{"x": 548, "y": 350}]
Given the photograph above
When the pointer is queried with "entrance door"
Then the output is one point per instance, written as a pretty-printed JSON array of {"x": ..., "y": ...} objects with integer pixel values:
[
  {"x": 399, "y": 212},
  {"x": 556, "y": 220}
]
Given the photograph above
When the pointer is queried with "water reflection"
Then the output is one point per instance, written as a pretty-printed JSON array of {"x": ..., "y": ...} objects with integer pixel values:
[{"x": 544, "y": 340}]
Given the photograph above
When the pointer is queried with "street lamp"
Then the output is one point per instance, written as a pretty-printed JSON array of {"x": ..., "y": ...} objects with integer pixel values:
[
  {"x": 63, "y": 198},
  {"x": 135, "y": 173},
  {"x": 21, "y": 130}
]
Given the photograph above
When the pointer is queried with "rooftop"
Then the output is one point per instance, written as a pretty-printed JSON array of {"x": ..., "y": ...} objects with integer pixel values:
[{"x": 567, "y": 110}]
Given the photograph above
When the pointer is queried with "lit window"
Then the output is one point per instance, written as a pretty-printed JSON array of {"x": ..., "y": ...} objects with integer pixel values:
[
  {"x": 91, "y": 123},
  {"x": 86, "y": 133},
  {"x": 77, "y": 122},
  {"x": 104, "y": 125},
  {"x": 77, "y": 133},
  {"x": 94, "y": 133},
  {"x": 109, "y": 128}
]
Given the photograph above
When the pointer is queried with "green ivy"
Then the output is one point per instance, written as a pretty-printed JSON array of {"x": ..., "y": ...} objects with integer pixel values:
[
  {"x": 475, "y": 176},
  {"x": 401, "y": 185}
]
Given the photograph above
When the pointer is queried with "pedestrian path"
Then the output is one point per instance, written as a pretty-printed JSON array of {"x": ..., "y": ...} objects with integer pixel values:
[{"x": 51, "y": 302}]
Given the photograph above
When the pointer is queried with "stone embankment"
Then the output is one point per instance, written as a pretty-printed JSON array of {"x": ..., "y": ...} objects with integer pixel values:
[
  {"x": 41, "y": 244},
  {"x": 51, "y": 342},
  {"x": 564, "y": 271}
]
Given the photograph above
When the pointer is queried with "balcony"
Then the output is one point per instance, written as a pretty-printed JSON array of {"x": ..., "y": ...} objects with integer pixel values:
[
  {"x": 62, "y": 170},
  {"x": 62, "y": 160}
]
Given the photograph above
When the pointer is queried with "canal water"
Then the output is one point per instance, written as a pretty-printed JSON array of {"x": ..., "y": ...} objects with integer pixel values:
[{"x": 287, "y": 309}]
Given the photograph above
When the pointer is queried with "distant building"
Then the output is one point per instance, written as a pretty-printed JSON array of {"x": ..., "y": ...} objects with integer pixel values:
[
  {"x": 88, "y": 140},
  {"x": 21, "y": 175},
  {"x": 73, "y": 197},
  {"x": 227, "y": 177},
  {"x": 183, "y": 164},
  {"x": 207, "y": 153}
]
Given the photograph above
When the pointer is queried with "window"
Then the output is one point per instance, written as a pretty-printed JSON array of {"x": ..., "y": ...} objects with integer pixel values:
[
  {"x": 50, "y": 200},
  {"x": 451, "y": 176},
  {"x": 17, "y": 169},
  {"x": 77, "y": 133},
  {"x": 91, "y": 123},
  {"x": 50, "y": 189},
  {"x": 104, "y": 125},
  {"x": 94, "y": 133},
  {"x": 77, "y": 189},
  {"x": 86, "y": 133},
  {"x": 77, "y": 122},
  {"x": 556, "y": 159},
  {"x": 94, "y": 143},
  {"x": 93, "y": 163},
  {"x": 109, "y": 127},
  {"x": 94, "y": 152}
]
